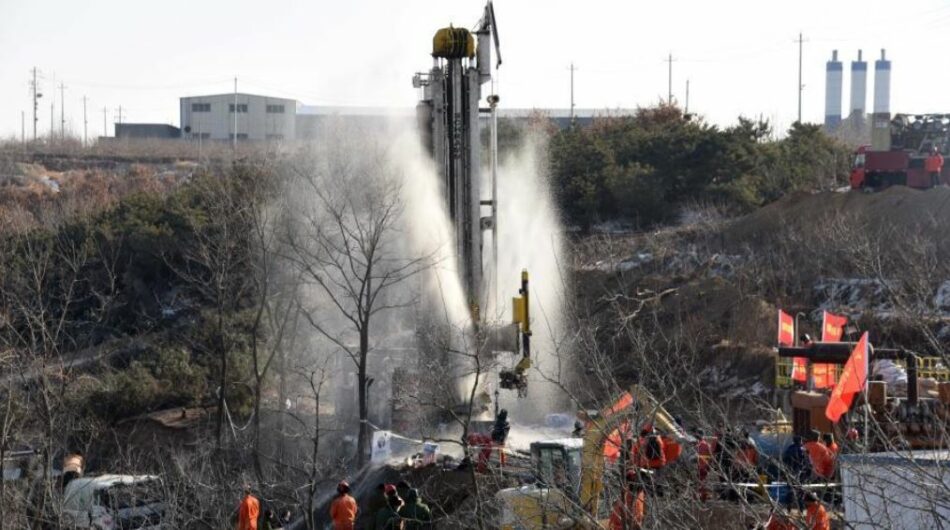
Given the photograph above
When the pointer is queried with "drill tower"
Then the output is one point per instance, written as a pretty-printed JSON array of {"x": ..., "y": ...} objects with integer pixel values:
[{"x": 449, "y": 118}]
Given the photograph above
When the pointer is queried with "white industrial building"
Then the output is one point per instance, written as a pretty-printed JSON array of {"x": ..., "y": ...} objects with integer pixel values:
[{"x": 257, "y": 117}]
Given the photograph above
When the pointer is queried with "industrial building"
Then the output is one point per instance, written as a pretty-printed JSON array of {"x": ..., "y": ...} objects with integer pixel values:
[{"x": 249, "y": 116}]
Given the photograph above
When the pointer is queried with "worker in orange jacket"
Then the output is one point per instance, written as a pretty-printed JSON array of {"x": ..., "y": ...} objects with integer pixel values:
[
  {"x": 822, "y": 459},
  {"x": 248, "y": 511},
  {"x": 343, "y": 508},
  {"x": 933, "y": 165},
  {"x": 816, "y": 516},
  {"x": 629, "y": 512},
  {"x": 650, "y": 450}
]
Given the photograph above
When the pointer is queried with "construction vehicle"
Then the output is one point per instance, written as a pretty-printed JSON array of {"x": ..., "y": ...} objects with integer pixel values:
[
  {"x": 889, "y": 419},
  {"x": 570, "y": 487},
  {"x": 898, "y": 152}
]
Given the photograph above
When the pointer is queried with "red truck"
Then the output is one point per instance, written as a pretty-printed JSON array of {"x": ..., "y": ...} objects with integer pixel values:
[{"x": 912, "y": 138}]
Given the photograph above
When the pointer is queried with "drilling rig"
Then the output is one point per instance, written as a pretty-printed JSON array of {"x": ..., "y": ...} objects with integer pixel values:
[{"x": 449, "y": 118}]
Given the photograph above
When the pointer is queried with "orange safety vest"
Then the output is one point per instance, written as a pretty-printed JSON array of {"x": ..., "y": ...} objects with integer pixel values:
[
  {"x": 934, "y": 163},
  {"x": 248, "y": 513},
  {"x": 651, "y": 463},
  {"x": 822, "y": 461},
  {"x": 343, "y": 512},
  {"x": 631, "y": 508},
  {"x": 671, "y": 449},
  {"x": 816, "y": 517}
]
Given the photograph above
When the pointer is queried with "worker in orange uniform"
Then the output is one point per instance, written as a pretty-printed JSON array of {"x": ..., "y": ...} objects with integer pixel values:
[
  {"x": 343, "y": 508},
  {"x": 934, "y": 165},
  {"x": 650, "y": 449},
  {"x": 703, "y": 458},
  {"x": 822, "y": 460},
  {"x": 628, "y": 513},
  {"x": 248, "y": 511},
  {"x": 816, "y": 516}
]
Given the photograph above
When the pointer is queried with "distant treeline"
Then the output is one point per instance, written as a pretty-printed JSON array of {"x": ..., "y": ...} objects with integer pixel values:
[{"x": 643, "y": 168}]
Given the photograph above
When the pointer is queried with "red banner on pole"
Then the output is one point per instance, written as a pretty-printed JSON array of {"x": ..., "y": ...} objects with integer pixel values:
[
  {"x": 832, "y": 329},
  {"x": 853, "y": 380},
  {"x": 786, "y": 337}
]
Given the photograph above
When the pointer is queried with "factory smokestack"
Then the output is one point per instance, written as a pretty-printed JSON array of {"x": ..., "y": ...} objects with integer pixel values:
[
  {"x": 880, "y": 124},
  {"x": 882, "y": 85},
  {"x": 859, "y": 83},
  {"x": 833, "y": 86}
]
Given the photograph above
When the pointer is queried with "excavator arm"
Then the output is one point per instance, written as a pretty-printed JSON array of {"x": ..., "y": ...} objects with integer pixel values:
[{"x": 636, "y": 404}]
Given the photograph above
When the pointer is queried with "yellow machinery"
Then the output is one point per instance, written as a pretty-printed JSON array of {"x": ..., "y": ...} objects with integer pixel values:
[
  {"x": 570, "y": 488},
  {"x": 517, "y": 378}
]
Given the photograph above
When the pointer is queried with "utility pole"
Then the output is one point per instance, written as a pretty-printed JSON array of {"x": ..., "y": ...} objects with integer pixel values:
[
  {"x": 118, "y": 116},
  {"x": 105, "y": 127},
  {"x": 234, "y": 135},
  {"x": 669, "y": 85},
  {"x": 36, "y": 106},
  {"x": 686, "y": 110},
  {"x": 800, "y": 85},
  {"x": 572, "y": 92},
  {"x": 62, "y": 112},
  {"x": 85, "y": 122}
]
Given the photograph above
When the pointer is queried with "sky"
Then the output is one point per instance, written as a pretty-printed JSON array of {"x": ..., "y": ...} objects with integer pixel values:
[{"x": 740, "y": 56}]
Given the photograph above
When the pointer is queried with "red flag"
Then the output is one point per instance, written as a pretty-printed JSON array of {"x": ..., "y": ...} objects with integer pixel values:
[
  {"x": 853, "y": 380},
  {"x": 786, "y": 337},
  {"x": 832, "y": 329}
]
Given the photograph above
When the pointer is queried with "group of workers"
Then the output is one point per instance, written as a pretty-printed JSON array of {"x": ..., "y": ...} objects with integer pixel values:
[
  {"x": 393, "y": 507},
  {"x": 735, "y": 455}
]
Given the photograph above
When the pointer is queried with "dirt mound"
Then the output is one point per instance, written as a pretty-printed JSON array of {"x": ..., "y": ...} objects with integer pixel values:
[{"x": 902, "y": 209}]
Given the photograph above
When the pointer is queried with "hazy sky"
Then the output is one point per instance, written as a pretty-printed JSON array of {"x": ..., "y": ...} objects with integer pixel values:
[{"x": 739, "y": 55}]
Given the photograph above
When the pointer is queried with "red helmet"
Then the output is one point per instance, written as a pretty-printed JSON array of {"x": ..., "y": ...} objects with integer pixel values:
[
  {"x": 343, "y": 487},
  {"x": 389, "y": 489}
]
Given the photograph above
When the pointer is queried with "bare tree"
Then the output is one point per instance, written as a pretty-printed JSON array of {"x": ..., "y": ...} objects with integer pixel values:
[{"x": 346, "y": 244}]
